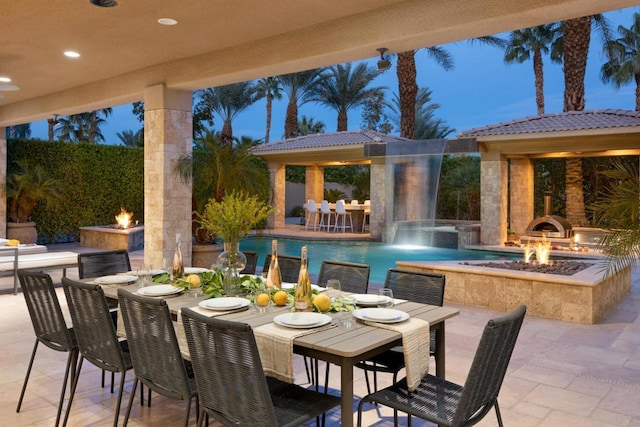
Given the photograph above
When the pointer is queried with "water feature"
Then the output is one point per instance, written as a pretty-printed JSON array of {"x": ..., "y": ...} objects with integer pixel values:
[
  {"x": 412, "y": 178},
  {"x": 378, "y": 255}
]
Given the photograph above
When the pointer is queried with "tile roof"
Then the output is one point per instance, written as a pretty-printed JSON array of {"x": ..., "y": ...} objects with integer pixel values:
[
  {"x": 326, "y": 140},
  {"x": 557, "y": 122}
]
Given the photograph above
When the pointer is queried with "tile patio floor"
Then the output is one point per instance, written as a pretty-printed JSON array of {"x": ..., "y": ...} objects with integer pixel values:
[{"x": 561, "y": 374}]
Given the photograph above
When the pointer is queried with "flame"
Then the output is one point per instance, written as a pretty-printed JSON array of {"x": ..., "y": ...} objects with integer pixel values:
[
  {"x": 123, "y": 219},
  {"x": 541, "y": 248}
]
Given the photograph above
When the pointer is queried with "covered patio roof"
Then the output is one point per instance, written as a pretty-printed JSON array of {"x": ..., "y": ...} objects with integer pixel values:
[
  {"x": 324, "y": 149},
  {"x": 591, "y": 133}
]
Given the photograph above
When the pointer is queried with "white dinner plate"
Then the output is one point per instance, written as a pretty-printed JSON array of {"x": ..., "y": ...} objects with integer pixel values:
[
  {"x": 302, "y": 320},
  {"x": 368, "y": 299},
  {"x": 224, "y": 303},
  {"x": 116, "y": 279},
  {"x": 382, "y": 315},
  {"x": 286, "y": 286},
  {"x": 142, "y": 272},
  {"x": 159, "y": 290},
  {"x": 195, "y": 270}
]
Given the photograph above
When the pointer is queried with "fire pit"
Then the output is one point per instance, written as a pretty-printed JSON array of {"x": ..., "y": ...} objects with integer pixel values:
[{"x": 124, "y": 234}]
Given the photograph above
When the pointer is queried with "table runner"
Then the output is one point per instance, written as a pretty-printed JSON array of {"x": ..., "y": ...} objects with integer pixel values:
[
  {"x": 275, "y": 345},
  {"x": 416, "y": 337}
]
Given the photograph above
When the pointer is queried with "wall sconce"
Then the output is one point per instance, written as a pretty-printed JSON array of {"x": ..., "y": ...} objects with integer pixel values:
[{"x": 383, "y": 63}]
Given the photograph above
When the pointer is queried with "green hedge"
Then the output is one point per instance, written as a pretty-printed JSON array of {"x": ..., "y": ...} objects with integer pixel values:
[{"x": 96, "y": 179}]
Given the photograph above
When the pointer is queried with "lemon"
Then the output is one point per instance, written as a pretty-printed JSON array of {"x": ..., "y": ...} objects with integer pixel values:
[
  {"x": 322, "y": 301},
  {"x": 194, "y": 280},
  {"x": 262, "y": 299},
  {"x": 280, "y": 298}
]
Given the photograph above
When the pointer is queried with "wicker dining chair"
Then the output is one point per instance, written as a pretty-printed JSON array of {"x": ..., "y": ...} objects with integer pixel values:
[
  {"x": 96, "y": 336},
  {"x": 252, "y": 262},
  {"x": 232, "y": 385},
  {"x": 449, "y": 404},
  {"x": 155, "y": 354},
  {"x": 103, "y": 263},
  {"x": 425, "y": 288},
  {"x": 289, "y": 267},
  {"x": 354, "y": 278},
  {"x": 96, "y": 264},
  {"x": 49, "y": 326}
]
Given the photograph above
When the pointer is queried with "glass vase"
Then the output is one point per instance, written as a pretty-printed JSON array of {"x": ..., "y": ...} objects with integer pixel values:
[{"x": 231, "y": 262}]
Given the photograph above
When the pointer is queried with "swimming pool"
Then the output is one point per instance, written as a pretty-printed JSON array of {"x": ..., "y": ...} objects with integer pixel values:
[{"x": 377, "y": 255}]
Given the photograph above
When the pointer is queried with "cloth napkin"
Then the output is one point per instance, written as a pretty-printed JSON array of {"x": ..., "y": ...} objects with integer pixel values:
[
  {"x": 415, "y": 346},
  {"x": 275, "y": 345}
]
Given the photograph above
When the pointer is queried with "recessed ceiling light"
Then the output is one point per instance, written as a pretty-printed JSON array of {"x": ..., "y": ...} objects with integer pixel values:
[
  {"x": 71, "y": 54},
  {"x": 167, "y": 21},
  {"x": 5, "y": 79},
  {"x": 104, "y": 3}
]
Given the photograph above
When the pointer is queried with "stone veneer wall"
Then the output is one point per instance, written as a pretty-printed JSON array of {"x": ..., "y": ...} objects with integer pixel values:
[{"x": 571, "y": 302}]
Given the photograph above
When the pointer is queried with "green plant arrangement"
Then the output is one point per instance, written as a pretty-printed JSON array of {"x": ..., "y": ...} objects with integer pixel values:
[
  {"x": 234, "y": 216},
  {"x": 231, "y": 219}
]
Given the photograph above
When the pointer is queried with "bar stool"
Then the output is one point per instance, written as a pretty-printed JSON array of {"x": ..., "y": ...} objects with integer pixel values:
[
  {"x": 341, "y": 212},
  {"x": 312, "y": 211},
  {"x": 325, "y": 212},
  {"x": 366, "y": 217}
]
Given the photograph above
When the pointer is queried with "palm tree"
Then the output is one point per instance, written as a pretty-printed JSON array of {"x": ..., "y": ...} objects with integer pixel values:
[
  {"x": 618, "y": 209},
  {"x": 83, "y": 127},
  {"x": 623, "y": 53},
  {"x": 270, "y": 89},
  {"x": 528, "y": 42},
  {"x": 297, "y": 87},
  {"x": 22, "y": 131},
  {"x": 308, "y": 126},
  {"x": 216, "y": 168},
  {"x": 228, "y": 101},
  {"x": 131, "y": 139},
  {"x": 344, "y": 88},
  {"x": 572, "y": 48},
  {"x": 426, "y": 126}
]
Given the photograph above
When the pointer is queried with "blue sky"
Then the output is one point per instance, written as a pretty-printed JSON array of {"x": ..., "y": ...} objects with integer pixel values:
[{"x": 480, "y": 90}]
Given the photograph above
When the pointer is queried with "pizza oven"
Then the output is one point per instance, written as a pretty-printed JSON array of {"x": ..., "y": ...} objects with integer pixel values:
[{"x": 550, "y": 225}]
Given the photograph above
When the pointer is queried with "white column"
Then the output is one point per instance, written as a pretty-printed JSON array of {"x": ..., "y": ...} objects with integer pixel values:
[{"x": 168, "y": 135}]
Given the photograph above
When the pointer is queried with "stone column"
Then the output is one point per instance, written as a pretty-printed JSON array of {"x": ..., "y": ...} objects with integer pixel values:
[
  {"x": 278, "y": 177},
  {"x": 493, "y": 204},
  {"x": 414, "y": 190},
  {"x": 378, "y": 197},
  {"x": 314, "y": 183},
  {"x": 3, "y": 180},
  {"x": 168, "y": 135},
  {"x": 520, "y": 195}
]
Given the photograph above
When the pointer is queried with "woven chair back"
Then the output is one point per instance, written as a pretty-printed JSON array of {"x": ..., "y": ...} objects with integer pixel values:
[
  {"x": 489, "y": 365},
  {"x": 353, "y": 277},
  {"x": 45, "y": 312},
  {"x": 228, "y": 371},
  {"x": 96, "y": 264},
  {"x": 425, "y": 288},
  {"x": 155, "y": 355},
  {"x": 289, "y": 267},
  {"x": 252, "y": 262},
  {"x": 93, "y": 325}
]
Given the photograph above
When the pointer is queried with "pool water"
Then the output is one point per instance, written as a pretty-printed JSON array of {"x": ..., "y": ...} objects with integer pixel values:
[{"x": 380, "y": 257}]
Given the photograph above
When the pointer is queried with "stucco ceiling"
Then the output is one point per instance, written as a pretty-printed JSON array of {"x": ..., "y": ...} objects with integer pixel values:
[{"x": 123, "y": 49}]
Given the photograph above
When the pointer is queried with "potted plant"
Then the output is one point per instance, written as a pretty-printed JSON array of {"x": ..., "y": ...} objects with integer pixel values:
[
  {"x": 28, "y": 186},
  {"x": 231, "y": 219}
]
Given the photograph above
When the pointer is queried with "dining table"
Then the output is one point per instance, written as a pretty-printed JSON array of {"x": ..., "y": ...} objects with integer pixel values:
[{"x": 342, "y": 346}]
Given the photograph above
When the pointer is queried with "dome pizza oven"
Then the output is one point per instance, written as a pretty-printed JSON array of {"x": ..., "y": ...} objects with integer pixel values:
[{"x": 550, "y": 225}]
